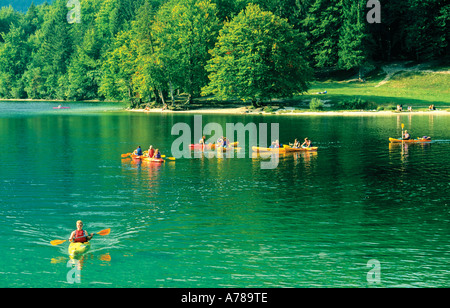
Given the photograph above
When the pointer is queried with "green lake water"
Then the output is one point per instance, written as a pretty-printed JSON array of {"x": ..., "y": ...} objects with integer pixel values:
[{"x": 317, "y": 220}]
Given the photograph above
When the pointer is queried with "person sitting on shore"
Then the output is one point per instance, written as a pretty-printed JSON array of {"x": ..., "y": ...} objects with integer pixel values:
[
  {"x": 406, "y": 135},
  {"x": 307, "y": 143}
]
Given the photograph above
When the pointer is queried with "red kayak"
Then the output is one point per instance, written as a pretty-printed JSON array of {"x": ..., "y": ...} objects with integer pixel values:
[{"x": 199, "y": 146}]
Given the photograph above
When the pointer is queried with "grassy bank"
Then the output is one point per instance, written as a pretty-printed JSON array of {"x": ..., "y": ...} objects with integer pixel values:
[{"x": 416, "y": 88}]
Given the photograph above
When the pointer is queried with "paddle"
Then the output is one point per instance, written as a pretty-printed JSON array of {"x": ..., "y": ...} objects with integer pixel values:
[
  {"x": 126, "y": 155},
  {"x": 59, "y": 242}
]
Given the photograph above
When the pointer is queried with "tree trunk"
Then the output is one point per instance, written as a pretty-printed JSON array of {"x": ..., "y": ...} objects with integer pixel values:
[
  {"x": 189, "y": 99},
  {"x": 161, "y": 95},
  {"x": 171, "y": 92}
]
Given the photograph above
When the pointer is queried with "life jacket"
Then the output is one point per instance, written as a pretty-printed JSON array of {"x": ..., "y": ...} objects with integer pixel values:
[{"x": 80, "y": 236}]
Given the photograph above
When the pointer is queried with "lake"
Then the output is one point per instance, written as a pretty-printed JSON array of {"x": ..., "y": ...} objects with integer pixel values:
[{"x": 359, "y": 212}]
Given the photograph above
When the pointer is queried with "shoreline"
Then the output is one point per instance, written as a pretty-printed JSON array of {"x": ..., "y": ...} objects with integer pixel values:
[{"x": 288, "y": 112}]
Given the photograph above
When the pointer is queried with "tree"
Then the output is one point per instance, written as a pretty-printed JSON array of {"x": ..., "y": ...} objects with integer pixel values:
[
  {"x": 258, "y": 56},
  {"x": 14, "y": 55},
  {"x": 322, "y": 25},
  {"x": 54, "y": 47},
  {"x": 352, "y": 50},
  {"x": 119, "y": 69},
  {"x": 184, "y": 31},
  {"x": 425, "y": 28}
]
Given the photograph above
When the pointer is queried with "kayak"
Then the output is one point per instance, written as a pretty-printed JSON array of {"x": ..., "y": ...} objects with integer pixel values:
[
  {"x": 78, "y": 248},
  {"x": 224, "y": 149},
  {"x": 276, "y": 150},
  {"x": 291, "y": 149},
  {"x": 153, "y": 160},
  {"x": 210, "y": 146},
  {"x": 199, "y": 146},
  {"x": 419, "y": 140},
  {"x": 61, "y": 107}
]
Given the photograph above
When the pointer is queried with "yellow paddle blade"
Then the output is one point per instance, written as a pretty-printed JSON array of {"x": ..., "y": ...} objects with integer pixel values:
[
  {"x": 171, "y": 158},
  {"x": 57, "y": 242},
  {"x": 104, "y": 232},
  {"x": 125, "y": 155},
  {"x": 105, "y": 257},
  {"x": 403, "y": 125}
]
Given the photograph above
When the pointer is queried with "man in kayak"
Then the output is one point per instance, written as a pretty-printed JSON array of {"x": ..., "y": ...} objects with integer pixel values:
[
  {"x": 307, "y": 143},
  {"x": 151, "y": 151},
  {"x": 80, "y": 235},
  {"x": 406, "y": 135},
  {"x": 138, "y": 151}
]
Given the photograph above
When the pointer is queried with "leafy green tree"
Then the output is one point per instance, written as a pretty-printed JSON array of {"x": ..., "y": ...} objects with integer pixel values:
[
  {"x": 8, "y": 17},
  {"x": 322, "y": 25},
  {"x": 184, "y": 31},
  {"x": 14, "y": 55},
  {"x": 119, "y": 68},
  {"x": 258, "y": 56},
  {"x": 352, "y": 50},
  {"x": 54, "y": 47},
  {"x": 425, "y": 29}
]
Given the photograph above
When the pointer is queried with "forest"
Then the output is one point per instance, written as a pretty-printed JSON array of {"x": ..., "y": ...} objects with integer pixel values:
[{"x": 143, "y": 51}]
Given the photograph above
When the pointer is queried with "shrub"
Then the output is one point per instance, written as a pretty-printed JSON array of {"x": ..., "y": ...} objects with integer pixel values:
[
  {"x": 268, "y": 109},
  {"x": 316, "y": 104},
  {"x": 356, "y": 103}
]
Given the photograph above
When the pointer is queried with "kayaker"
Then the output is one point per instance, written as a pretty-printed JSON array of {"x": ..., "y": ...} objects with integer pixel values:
[
  {"x": 307, "y": 143},
  {"x": 225, "y": 142},
  {"x": 138, "y": 151},
  {"x": 157, "y": 154},
  {"x": 220, "y": 141},
  {"x": 202, "y": 140},
  {"x": 275, "y": 144},
  {"x": 151, "y": 151},
  {"x": 406, "y": 135},
  {"x": 296, "y": 144},
  {"x": 80, "y": 235}
]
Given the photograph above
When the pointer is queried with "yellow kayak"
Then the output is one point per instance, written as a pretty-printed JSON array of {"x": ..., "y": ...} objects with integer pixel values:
[
  {"x": 291, "y": 149},
  {"x": 276, "y": 150},
  {"x": 419, "y": 140},
  {"x": 78, "y": 248}
]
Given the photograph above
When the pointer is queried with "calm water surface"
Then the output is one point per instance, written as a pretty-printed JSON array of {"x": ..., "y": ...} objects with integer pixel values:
[{"x": 314, "y": 221}]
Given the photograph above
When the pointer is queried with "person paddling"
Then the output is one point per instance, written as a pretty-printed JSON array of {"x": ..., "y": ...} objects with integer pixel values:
[
  {"x": 307, "y": 143},
  {"x": 138, "y": 151},
  {"x": 80, "y": 235},
  {"x": 406, "y": 135}
]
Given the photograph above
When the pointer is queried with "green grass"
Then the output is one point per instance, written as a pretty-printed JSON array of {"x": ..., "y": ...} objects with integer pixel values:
[{"x": 418, "y": 89}]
